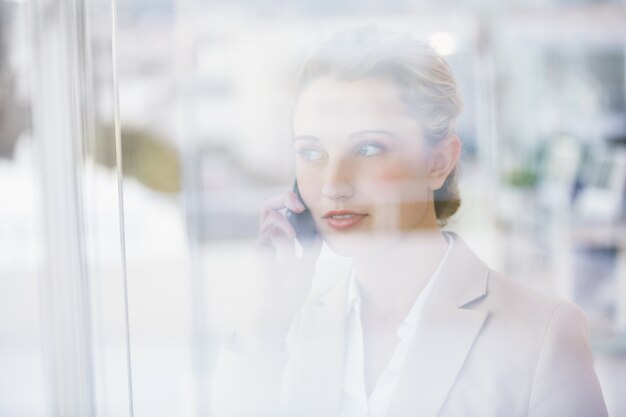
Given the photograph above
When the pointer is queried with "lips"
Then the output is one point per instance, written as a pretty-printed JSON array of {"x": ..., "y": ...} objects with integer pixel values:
[{"x": 343, "y": 219}]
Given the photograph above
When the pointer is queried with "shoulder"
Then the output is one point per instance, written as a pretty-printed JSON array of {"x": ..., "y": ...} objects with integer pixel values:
[
  {"x": 544, "y": 340},
  {"x": 547, "y": 335},
  {"x": 552, "y": 339},
  {"x": 537, "y": 317},
  {"x": 507, "y": 296},
  {"x": 518, "y": 317},
  {"x": 553, "y": 319},
  {"x": 468, "y": 279}
]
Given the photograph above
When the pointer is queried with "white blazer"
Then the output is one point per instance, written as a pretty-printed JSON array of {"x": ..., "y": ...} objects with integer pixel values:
[{"x": 486, "y": 346}]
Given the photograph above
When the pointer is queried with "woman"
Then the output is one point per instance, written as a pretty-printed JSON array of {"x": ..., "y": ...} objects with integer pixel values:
[{"x": 417, "y": 325}]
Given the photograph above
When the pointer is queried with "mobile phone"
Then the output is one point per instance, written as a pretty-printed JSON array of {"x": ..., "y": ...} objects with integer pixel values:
[{"x": 303, "y": 222}]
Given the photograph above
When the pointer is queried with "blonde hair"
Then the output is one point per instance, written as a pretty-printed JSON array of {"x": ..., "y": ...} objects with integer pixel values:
[{"x": 426, "y": 81}]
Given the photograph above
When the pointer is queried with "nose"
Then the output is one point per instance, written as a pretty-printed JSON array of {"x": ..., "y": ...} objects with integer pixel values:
[{"x": 337, "y": 181}]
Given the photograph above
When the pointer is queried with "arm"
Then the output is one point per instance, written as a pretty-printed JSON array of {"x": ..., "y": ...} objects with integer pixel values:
[
  {"x": 248, "y": 377},
  {"x": 565, "y": 383},
  {"x": 250, "y": 367}
]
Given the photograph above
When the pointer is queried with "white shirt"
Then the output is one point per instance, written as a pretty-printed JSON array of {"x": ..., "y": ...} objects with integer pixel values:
[{"x": 354, "y": 402}]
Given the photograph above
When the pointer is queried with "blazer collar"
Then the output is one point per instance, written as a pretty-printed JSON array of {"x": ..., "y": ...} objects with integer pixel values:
[
  {"x": 463, "y": 278},
  {"x": 445, "y": 335},
  {"x": 443, "y": 339}
]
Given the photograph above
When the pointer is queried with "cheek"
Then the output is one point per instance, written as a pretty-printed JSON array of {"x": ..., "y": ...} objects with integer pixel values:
[
  {"x": 396, "y": 181},
  {"x": 309, "y": 183}
]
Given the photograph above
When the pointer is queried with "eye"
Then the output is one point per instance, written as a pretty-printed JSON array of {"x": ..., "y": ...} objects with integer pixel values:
[
  {"x": 369, "y": 149},
  {"x": 310, "y": 154}
]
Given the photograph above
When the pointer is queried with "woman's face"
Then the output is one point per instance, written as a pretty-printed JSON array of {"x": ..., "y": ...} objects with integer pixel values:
[{"x": 362, "y": 163}]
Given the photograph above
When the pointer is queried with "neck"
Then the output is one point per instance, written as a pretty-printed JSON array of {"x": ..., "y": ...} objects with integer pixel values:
[{"x": 390, "y": 280}]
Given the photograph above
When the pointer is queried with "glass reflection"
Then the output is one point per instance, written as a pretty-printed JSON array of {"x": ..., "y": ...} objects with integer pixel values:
[{"x": 206, "y": 92}]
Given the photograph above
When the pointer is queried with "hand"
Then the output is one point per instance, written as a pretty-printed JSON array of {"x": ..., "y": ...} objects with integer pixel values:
[{"x": 284, "y": 279}]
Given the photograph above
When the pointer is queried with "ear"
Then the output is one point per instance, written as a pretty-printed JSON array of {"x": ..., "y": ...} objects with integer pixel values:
[{"x": 444, "y": 158}]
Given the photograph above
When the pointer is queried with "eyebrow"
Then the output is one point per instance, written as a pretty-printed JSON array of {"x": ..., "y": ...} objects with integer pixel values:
[
  {"x": 354, "y": 135},
  {"x": 305, "y": 137}
]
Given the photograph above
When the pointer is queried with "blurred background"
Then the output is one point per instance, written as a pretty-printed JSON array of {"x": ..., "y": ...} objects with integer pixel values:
[{"x": 138, "y": 139}]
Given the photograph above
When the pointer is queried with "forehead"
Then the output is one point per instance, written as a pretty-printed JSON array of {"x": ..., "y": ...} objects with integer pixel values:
[{"x": 328, "y": 106}]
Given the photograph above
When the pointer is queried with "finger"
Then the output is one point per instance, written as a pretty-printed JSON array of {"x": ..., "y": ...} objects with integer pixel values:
[
  {"x": 274, "y": 241},
  {"x": 263, "y": 241},
  {"x": 293, "y": 203},
  {"x": 282, "y": 243},
  {"x": 288, "y": 200},
  {"x": 273, "y": 204},
  {"x": 267, "y": 239},
  {"x": 278, "y": 220}
]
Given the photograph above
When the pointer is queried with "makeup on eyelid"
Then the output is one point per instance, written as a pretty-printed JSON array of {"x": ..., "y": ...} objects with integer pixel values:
[
  {"x": 365, "y": 163},
  {"x": 365, "y": 149}
]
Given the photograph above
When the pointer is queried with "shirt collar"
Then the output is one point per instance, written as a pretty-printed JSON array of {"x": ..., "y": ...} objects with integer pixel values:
[
  {"x": 408, "y": 326},
  {"x": 354, "y": 296}
]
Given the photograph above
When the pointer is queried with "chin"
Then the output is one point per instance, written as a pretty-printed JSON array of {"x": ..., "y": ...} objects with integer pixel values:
[{"x": 355, "y": 244}]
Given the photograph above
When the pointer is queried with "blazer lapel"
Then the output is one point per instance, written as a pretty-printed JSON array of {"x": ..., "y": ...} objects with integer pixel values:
[
  {"x": 314, "y": 376},
  {"x": 444, "y": 336}
]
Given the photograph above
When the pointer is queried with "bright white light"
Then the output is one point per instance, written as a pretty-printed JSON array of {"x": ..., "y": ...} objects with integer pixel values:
[{"x": 443, "y": 42}]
